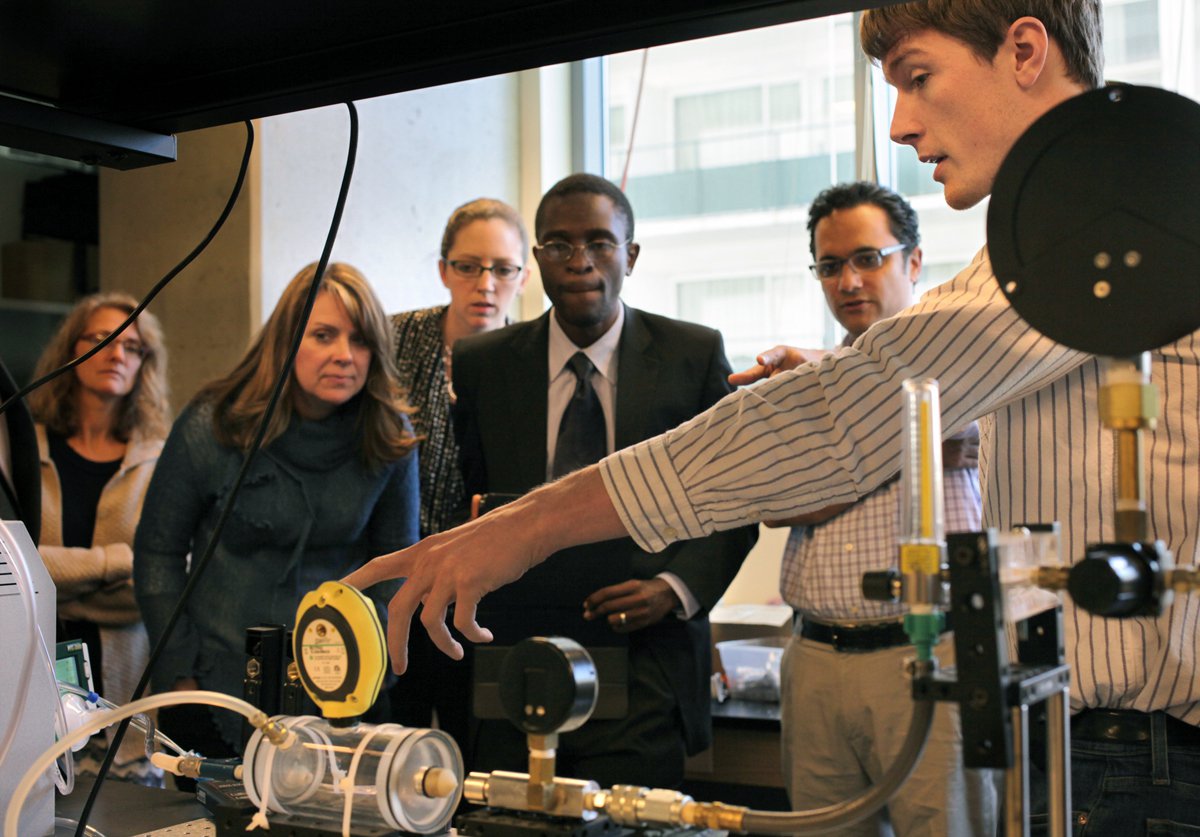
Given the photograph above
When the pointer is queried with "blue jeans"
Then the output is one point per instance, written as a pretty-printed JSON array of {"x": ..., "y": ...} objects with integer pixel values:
[{"x": 1127, "y": 789}]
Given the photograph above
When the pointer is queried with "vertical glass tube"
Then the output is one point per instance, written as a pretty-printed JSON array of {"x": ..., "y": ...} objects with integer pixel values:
[{"x": 922, "y": 513}]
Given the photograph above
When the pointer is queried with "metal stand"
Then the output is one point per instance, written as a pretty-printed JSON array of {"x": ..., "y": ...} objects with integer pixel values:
[{"x": 993, "y": 694}]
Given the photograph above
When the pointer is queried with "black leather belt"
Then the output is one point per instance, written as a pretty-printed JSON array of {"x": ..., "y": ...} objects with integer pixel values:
[
  {"x": 869, "y": 637},
  {"x": 1129, "y": 726}
]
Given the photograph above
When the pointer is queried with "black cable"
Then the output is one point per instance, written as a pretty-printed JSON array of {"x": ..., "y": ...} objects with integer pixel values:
[
  {"x": 106, "y": 765},
  {"x": 198, "y": 567},
  {"x": 162, "y": 283}
]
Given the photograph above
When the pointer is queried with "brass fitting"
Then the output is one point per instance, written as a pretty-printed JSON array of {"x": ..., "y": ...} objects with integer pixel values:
[
  {"x": 1128, "y": 406},
  {"x": 275, "y": 732},
  {"x": 542, "y": 755},
  {"x": 1053, "y": 578},
  {"x": 715, "y": 815},
  {"x": 1184, "y": 580}
]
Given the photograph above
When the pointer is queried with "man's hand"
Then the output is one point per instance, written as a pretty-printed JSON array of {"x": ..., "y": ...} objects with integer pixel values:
[
  {"x": 442, "y": 569},
  {"x": 631, "y": 605},
  {"x": 773, "y": 361},
  {"x": 464, "y": 564}
]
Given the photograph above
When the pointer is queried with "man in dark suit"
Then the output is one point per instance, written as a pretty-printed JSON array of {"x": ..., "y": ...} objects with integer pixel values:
[
  {"x": 20, "y": 471},
  {"x": 519, "y": 395}
]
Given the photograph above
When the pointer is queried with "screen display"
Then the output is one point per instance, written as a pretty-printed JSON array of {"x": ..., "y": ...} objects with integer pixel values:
[{"x": 71, "y": 664}]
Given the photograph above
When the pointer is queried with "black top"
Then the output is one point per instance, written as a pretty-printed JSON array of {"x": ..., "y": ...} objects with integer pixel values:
[{"x": 82, "y": 481}]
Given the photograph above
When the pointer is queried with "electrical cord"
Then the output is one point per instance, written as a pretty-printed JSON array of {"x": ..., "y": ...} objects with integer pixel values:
[
  {"x": 199, "y": 566},
  {"x": 67, "y": 822},
  {"x": 637, "y": 107},
  {"x": 162, "y": 283}
]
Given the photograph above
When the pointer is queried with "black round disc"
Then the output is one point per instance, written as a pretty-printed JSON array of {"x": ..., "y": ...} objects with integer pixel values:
[
  {"x": 1094, "y": 223},
  {"x": 548, "y": 685}
]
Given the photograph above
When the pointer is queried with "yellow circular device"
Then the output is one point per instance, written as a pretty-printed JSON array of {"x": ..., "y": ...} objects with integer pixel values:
[{"x": 340, "y": 650}]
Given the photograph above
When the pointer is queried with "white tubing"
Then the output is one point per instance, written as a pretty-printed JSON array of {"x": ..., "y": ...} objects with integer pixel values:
[
  {"x": 66, "y": 779},
  {"x": 104, "y": 719},
  {"x": 137, "y": 723}
]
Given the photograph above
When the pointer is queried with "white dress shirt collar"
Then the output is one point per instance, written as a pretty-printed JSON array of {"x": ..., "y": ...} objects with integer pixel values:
[{"x": 602, "y": 353}]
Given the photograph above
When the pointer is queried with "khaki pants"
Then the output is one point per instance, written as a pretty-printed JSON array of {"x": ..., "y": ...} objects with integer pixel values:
[{"x": 845, "y": 717}]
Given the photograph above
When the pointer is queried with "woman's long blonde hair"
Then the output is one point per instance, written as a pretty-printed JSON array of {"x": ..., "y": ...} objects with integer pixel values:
[
  {"x": 240, "y": 398},
  {"x": 144, "y": 411}
]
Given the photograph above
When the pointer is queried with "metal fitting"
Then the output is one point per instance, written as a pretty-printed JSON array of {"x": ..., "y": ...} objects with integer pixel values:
[
  {"x": 715, "y": 815},
  {"x": 508, "y": 790},
  {"x": 273, "y": 730},
  {"x": 634, "y": 806}
]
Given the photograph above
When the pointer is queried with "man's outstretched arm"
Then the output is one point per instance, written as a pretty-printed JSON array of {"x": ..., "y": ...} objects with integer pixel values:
[{"x": 464, "y": 564}]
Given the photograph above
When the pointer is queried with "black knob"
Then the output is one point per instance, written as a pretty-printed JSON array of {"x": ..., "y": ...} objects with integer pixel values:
[
  {"x": 881, "y": 586},
  {"x": 1115, "y": 580}
]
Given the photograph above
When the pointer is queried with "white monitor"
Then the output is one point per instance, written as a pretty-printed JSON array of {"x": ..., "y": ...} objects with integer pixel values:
[{"x": 35, "y": 727}]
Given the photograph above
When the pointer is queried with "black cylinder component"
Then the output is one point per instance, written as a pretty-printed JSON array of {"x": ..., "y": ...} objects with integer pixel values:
[
  {"x": 881, "y": 586},
  {"x": 1118, "y": 579}
]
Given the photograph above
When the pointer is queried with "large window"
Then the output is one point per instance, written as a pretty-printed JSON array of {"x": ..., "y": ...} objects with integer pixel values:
[{"x": 736, "y": 134}]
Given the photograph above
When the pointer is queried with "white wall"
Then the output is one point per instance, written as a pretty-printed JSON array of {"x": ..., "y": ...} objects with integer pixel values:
[
  {"x": 758, "y": 580},
  {"x": 420, "y": 155}
]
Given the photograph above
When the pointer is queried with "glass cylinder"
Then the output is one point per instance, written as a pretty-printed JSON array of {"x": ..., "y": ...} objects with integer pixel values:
[
  {"x": 391, "y": 776},
  {"x": 922, "y": 513},
  {"x": 1021, "y": 554}
]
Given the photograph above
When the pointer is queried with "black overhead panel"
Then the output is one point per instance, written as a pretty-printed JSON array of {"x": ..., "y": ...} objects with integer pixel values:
[{"x": 163, "y": 66}]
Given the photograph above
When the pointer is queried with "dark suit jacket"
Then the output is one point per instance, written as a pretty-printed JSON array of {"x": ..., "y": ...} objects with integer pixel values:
[
  {"x": 20, "y": 499},
  {"x": 667, "y": 372}
]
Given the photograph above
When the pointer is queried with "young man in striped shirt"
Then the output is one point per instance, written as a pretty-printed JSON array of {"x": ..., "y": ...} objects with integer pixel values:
[{"x": 971, "y": 76}]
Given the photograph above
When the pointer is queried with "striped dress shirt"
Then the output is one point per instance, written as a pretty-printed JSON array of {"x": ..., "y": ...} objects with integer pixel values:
[{"x": 828, "y": 432}]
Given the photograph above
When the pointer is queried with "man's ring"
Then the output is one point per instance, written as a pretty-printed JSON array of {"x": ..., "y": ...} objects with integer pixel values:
[{"x": 622, "y": 618}]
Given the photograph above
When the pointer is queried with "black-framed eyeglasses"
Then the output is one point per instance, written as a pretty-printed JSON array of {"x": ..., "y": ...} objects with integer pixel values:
[
  {"x": 473, "y": 270},
  {"x": 597, "y": 251},
  {"x": 129, "y": 345},
  {"x": 860, "y": 261}
]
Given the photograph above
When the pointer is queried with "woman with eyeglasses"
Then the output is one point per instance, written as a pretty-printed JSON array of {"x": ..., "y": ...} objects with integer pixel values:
[
  {"x": 483, "y": 264},
  {"x": 334, "y": 482},
  {"x": 100, "y": 429}
]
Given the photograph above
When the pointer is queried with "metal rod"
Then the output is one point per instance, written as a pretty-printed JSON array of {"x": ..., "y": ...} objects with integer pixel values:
[
  {"x": 1016, "y": 781},
  {"x": 1058, "y": 761},
  {"x": 1131, "y": 503}
]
